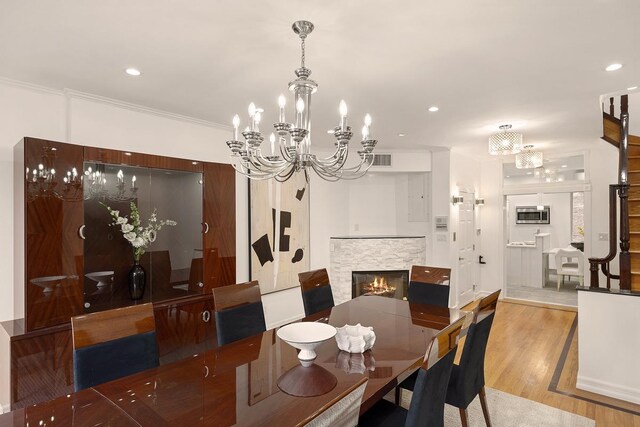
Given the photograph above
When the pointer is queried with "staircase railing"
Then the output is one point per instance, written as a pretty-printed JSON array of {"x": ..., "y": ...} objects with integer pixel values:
[{"x": 621, "y": 190}]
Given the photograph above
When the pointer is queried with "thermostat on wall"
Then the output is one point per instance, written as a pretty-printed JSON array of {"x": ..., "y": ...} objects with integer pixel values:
[{"x": 442, "y": 223}]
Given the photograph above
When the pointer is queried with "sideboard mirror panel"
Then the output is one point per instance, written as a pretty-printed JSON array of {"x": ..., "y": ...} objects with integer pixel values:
[{"x": 172, "y": 263}]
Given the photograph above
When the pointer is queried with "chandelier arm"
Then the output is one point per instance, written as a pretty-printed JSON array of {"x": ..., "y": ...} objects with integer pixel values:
[
  {"x": 252, "y": 174},
  {"x": 242, "y": 168},
  {"x": 285, "y": 177},
  {"x": 341, "y": 150},
  {"x": 323, "y": 175},
  {"x": 333, "y": 168},
  {"x": 365, "y": 163},
  {"x": 257, "y": 156},
  {"x": 269, "y": 171},
  {"x": 283, "y": 149}
]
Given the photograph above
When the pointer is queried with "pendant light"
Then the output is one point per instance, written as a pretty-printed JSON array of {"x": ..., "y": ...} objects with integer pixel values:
[
  {"x": 506, "y": 142},
  {"x": 529, "y": 159}
]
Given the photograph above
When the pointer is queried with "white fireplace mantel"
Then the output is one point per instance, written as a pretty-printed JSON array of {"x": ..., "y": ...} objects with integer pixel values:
[{"x": 365, "y": 253}]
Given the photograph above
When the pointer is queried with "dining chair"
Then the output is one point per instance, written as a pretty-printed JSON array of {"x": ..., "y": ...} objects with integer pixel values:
[
  {"x": 112, "y": 344},
  {"x": 316, "y": 291},
  {"x": 569, "y": 262},
  {"x": 429, "y": 285},
  {"x": 430, "y": 390},
  {"x": 344, "y": 410},
  {"x": 238, "y": 311},
  {"x": 467, "y": 377}
]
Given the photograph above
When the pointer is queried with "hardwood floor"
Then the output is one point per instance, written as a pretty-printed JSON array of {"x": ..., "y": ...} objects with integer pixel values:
[{"x": 533, "y": 353}]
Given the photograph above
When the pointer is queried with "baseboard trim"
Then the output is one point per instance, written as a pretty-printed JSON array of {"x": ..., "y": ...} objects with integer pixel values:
[
  {"x": 5, "y": 408},
  {"x": 541, "y": 304},
  {"x": 606, "y": 388}
]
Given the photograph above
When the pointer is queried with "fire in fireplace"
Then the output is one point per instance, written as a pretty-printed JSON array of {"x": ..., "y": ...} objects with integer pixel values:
[{"x": 385, "y": 283}]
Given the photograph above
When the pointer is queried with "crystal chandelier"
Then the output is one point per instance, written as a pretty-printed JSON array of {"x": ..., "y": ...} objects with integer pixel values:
[
  {"x": 506, "y": 142},
  {"x": 290, "y": 146},
  {"x": 529, "y": 159},
  {"x": 96, "y": 186}
]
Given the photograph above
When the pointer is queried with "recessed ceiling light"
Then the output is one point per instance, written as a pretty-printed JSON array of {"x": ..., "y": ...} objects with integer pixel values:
[
  {"x": 529, "y": 173},
  {"x": 614, "y": 67},
  {"x": 402, "y": 134},
  {"x": 632, "y": 88},
  {"x": 433, "y": 109},
  {"x": 132, "y": 72},
  {"x": 508, "y": 176},
  {"x": 563, "y": 166}
]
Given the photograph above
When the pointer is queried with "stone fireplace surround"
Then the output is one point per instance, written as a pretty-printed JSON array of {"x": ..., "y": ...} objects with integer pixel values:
[{"x": 364, "y": 253}]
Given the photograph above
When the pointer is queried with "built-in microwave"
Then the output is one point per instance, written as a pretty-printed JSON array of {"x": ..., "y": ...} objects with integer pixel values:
[{"x": 533, "y": 215}]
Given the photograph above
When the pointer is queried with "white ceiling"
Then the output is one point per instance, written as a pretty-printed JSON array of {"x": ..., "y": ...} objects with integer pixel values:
[{"x": 538, "y": 65}]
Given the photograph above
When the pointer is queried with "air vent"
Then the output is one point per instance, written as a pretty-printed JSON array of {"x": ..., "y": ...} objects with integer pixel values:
[{"x": 382, "y": 160}]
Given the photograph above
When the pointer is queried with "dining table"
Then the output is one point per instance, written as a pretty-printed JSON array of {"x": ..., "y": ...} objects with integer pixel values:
[{"x": 237, "y": 384}]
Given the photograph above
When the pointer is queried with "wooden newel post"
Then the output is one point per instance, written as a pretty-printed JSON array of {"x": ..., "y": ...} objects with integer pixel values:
[
  {"x": 623, "y": 193},
  {"x": 593, "y": 268}
]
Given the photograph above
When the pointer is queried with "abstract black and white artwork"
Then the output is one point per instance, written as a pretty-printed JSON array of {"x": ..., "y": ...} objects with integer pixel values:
[{"x": 279, "y": 232}]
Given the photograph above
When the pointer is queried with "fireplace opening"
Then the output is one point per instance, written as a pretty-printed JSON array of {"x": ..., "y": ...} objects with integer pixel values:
[{"x": 383, "y": 283}]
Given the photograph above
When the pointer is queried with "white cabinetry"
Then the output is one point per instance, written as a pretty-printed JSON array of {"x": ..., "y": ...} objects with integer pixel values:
[{"x": 525, "y": 266}]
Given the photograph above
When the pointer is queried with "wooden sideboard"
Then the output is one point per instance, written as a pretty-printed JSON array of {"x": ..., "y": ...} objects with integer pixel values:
[
  {"x": 54, "y": 231},
  {"x": 42, "y": 360}
]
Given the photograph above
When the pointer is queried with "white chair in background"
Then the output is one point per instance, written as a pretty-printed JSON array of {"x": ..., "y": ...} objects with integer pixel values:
[{"x": 569, "y": 262}]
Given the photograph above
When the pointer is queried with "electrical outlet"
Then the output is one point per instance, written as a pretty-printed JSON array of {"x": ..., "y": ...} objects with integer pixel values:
[{"x": 603, "y": 237}]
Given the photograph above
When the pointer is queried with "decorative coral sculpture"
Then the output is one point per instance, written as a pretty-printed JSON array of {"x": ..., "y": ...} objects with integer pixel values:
[{"x": 355, "y": 339}]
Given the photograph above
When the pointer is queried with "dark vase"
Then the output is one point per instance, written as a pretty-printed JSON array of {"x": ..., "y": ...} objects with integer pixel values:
[{"x": 137, "y": 280}]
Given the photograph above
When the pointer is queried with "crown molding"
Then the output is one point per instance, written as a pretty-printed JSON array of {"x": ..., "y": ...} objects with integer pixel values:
[
  {"x": 71, "y": 94},
  {"x": 74, "y": 94},
  {"x": 31, "y": 86}
]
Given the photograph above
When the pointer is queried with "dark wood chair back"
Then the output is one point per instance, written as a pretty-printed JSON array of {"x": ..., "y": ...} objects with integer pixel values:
[
  {"x": 111, "y": 344},
  {"x": 430, "y": 390},
  {"x": 429, "y": 285},
  {"x": 316, "y": 291},
  {"x": 433, "y": 275},
  {"x": 238, "y": 311},
  {"x": 467, "y": 380},
  {"x": 225, "y": 297}
]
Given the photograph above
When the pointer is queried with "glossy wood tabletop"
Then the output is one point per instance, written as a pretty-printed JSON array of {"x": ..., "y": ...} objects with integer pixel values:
[{"x": 236, "y": 384}]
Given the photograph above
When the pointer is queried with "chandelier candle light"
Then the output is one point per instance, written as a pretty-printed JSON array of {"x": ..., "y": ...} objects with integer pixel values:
[{"x": 290, "y": 146}]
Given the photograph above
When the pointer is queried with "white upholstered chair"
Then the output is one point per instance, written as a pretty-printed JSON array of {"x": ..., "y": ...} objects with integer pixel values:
[{"x": 569, "y": 262}]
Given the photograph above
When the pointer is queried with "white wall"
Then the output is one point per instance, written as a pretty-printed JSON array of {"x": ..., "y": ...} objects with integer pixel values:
[
  {"x": 607, "y": 352},
  {"x": 559, "y": 226}
]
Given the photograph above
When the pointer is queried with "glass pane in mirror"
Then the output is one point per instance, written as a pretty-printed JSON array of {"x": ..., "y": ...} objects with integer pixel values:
[
  {"x": 172, "y": 262},
  {"x": 556, "y": 168}
]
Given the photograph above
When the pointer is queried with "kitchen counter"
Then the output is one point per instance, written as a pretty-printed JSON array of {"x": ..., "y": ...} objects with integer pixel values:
[{"x": 525, "y": 261}]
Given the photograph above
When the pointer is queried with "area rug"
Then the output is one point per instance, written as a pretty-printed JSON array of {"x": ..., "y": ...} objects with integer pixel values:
[{"x": 507, "y": 410}]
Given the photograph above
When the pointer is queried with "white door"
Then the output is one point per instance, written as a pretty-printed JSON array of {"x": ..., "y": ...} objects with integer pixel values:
[{"x": 466, "y": 249}]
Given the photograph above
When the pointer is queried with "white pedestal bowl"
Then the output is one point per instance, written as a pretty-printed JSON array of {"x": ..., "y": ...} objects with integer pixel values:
[{"x": 306, "y": 336}]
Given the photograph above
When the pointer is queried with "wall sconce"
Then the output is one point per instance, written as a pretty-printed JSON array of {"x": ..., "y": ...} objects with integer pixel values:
[
  {"x": 480, "y": 202},
  {"x": 457, "y": 200}
]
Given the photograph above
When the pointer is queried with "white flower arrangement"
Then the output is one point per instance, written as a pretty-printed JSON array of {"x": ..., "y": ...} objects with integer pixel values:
[{"x": 138, "y": 236}]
